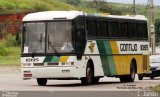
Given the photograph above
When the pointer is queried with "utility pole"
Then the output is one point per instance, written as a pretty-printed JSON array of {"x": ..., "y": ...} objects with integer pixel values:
[
  {"x": 134, "y": 7},
  {"x": 152, "y": 29}
]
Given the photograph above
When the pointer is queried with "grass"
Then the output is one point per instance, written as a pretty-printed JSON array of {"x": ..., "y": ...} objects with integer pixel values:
[
  {"x": 156, "y": 88},
  {"x": 11, "y": 56},
  {"x": 17, "y": 6}
]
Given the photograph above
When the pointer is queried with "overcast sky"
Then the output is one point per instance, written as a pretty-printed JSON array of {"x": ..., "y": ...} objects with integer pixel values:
[{"x": 156, "y": 2}]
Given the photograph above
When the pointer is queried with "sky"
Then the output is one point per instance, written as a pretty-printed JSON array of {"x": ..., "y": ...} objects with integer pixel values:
[{"x": 144, "y": 2}]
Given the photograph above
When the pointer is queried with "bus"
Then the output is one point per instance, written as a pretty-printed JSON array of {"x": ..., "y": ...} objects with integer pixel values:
[{"x": 76, "y": 45}]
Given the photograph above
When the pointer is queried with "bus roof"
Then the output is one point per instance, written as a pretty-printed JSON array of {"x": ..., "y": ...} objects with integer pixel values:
[
  {"x": 68, "y": 15},
  {"x": 52, "y": 15},
  {"x": 135, "y": 17}
]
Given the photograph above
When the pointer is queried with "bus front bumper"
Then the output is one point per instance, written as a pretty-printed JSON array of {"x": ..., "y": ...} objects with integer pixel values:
[{"x": 50, "y": 72}]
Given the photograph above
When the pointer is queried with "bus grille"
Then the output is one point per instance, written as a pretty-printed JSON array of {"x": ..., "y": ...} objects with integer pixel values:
[
  {"x": 52, "y": 64},
  {"x": 38, "y": 64}
]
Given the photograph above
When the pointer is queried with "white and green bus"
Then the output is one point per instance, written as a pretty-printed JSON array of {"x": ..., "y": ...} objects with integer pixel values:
[{"x": 76, "y": 45}]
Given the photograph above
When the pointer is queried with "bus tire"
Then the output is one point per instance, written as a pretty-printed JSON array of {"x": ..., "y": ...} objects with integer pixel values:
[
  {"x": 96, "y": 80},
  {"x": 41, "y": 81},
  {"x": 151, "y": 77},
  {"x": 131, "y": 76},
  {"x": 140, "y": 77},
  {"x": 89, "y": 75}
]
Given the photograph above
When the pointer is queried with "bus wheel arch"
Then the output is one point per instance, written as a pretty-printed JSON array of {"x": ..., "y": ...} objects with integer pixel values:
[
  {"x": 90, "y": 61},
  {"x": 131, "y": 76},
  {"x": 134, "y": 63},
  {"x": 42, "y": 81},
  {"x": 89, "y": 79},
  {"x": 133, "y": 70}
]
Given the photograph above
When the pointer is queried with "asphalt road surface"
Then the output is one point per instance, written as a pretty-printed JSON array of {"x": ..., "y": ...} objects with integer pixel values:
[{"x": 11, "y": 80}]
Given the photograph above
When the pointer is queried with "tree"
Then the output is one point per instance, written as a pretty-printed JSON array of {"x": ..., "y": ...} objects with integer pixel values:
[
  {"x": 73, "y": 2},
  {"x": 157, "y": 29}
]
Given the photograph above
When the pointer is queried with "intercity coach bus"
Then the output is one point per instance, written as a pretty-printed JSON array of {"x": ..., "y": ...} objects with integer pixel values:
[{"x": 75, "y": 45}]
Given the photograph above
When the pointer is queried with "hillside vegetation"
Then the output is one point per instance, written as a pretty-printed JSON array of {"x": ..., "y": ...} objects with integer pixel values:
[
  {"x": 140, "y": 9},
  {"x": 18, "y": 6}
]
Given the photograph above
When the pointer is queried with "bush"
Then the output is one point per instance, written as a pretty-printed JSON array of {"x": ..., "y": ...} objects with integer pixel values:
[
  {"x": 3, "y": 51},
  {"x": 12, "y": 41}
]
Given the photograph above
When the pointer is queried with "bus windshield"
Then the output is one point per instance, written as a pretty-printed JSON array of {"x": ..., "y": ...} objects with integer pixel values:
[{"x": 52, "y": 37}]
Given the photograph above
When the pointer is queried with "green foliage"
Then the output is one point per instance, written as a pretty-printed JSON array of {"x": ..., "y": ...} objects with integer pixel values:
[
  {"x": 72, "y": 2},
  {"x": 12, "y": 56},
  {"x": 104, "y": 8},
  {"x": 156, "y": 88},
  {"x": 9, "y": 55},
  {"x": 157, "y": 26},
  {"x": 16, "y": 6},
  {"x": 157, "y": 29},
  {"x": 3, "y": 51},
  {"x": 11, "y": 41}
]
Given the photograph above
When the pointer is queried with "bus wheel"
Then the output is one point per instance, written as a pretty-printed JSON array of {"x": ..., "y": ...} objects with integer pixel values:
[
  {"x": 41, "y": 81},
  {"x": 151, "y": 77},
  {"x": 89, "y": 75},
  {"x": 131, "y": 76},
  {"x": 132, "y": 72},
  {"x": 96, "y": 80},
  {"x": 140, "y": 77}
]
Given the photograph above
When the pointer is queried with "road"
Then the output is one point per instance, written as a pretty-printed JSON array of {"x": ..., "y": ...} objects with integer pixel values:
[{"x": 12, "y": 81}]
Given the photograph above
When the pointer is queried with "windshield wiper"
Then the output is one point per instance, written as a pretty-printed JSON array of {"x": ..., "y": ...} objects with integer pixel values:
[
  {"x": 52, "y": 46},
  {"x": 35, "y": 49},
  {"x": 54, "y": 49}
]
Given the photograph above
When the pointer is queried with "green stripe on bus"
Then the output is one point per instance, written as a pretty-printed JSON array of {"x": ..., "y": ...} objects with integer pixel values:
[
  {"x": 107, "y": 60},
  {"x": 48, "y": 59},
  {"x": 55, "y": 59},
  {"x": 51, "y": 59},
  {"x": 110, "y": 58},
  {"x": 103, "y": 56}
]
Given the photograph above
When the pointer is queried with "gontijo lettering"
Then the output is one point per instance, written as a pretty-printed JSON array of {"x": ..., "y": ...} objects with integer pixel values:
[
  {"x": 133, "y": 47},
  {"x": 128, "y": 47}
]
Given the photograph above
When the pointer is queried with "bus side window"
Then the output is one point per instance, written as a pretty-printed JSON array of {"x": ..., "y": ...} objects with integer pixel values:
[
  {"x": 123, "y": 30},
  {"x": 113, "y": 29},
  {"x": 91, "y": 28},
  {"x": 102, "y": 28},
  {"x": 145, "y": 31},
  {"x": 130, "y": 29},
  {"x": 134, "y": 30},
  {"x": 139, "y": 30}
]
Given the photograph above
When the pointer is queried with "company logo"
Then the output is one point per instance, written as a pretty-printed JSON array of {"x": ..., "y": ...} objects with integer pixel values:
[
  {"x": 91, "y": 47},
  {"x": 32, "y": 59}
]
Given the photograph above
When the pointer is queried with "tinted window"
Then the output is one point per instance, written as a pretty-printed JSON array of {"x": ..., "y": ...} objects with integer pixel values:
[
  {"x": 133, "y": 30},
  {"x": 102, "y": 28},
  {"x": 113, "y": 28},
  {"x": 123, "y": 29},
  {"x": 91, "y": 27},
  {"x": 145, "y": 30}
]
